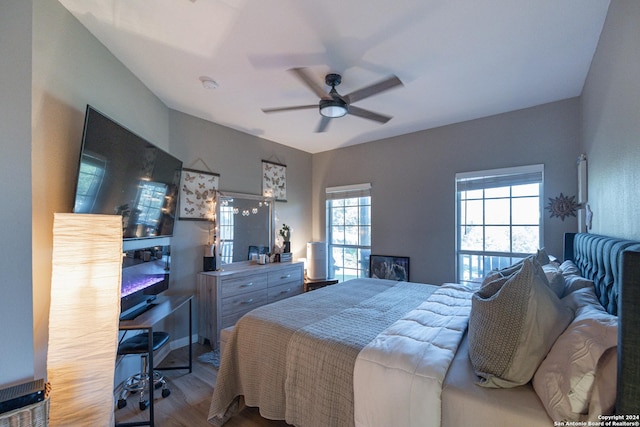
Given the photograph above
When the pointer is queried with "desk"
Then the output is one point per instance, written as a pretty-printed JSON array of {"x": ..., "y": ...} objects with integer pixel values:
[{"x": 163, "y": 306}]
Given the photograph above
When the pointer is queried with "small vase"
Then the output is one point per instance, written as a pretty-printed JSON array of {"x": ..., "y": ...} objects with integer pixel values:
[{"x": 287, "y": 247}]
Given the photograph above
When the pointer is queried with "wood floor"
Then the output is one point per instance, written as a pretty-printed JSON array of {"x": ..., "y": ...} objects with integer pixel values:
[{"x": 188, "y": 403}]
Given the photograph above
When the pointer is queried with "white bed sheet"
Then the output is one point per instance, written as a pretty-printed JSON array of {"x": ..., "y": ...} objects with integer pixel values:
[{"x": 466, "y": 404}]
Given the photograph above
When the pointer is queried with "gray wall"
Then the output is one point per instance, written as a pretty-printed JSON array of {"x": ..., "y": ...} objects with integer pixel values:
[
  {"x": 611, "y": 124},
  {"x": 16, "y": 311},
  {"x": 413, "y": 179},
  {"x": 237, "y": 157}
]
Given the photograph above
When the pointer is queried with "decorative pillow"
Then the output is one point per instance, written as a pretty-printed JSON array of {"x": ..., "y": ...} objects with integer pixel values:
[
  {"x": 568, "y": 267},
  {"x": 554, "y": 278},
  {"x": 572, "y": 278},
  {"x": 577, "y": 380},
  {"x": 514, "y": 322},
  {"x": 540, "y": 255}
]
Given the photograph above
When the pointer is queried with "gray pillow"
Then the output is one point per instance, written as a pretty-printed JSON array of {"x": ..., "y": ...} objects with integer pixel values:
[{"x": 514, "y": 322}]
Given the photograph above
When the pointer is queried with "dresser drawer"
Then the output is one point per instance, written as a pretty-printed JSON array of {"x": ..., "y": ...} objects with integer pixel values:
[
  {"x": 285, "y": 275},
  {"x": 283, "y": 291},
  {"x": 243, "y": 302},
  {"x": 236, "y": 285}
]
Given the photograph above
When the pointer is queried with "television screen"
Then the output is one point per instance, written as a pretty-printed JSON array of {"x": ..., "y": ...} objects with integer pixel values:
[{"x": 121, "y": 173}]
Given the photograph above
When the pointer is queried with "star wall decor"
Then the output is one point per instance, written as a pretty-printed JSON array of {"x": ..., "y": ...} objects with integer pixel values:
[{"x": 562, "y": 206}]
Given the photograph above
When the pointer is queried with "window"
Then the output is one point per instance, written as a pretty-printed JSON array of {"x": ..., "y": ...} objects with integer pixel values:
[
  {"x": 89, "y": 182},
  {"x": 150, "y": 200},
  {"x": 225, "y": 226},
  {"x": 498, "y": 218},
  {"x": 349, "y": 231}
]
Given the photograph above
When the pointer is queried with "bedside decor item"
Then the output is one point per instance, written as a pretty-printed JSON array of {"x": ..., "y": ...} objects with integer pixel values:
[
  {"x": 274, "y": 180},
  {"x": 562, "y": 206},
  {"x": 83, "y": 318},
  {"x": 389, "y": 267},
  {"x": 285, "y": 233},
  {"x": 198, "y": 194}
]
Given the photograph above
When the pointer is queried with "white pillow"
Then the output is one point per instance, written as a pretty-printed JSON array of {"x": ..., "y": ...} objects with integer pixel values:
[
  {"x": 569, "y": 267},
  {"x": 576, "y": 381},
  {"x": 554, "y": 278}
]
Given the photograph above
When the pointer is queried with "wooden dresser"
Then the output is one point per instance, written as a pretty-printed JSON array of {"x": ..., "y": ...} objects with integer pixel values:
[{"x": 224, "y": 296}]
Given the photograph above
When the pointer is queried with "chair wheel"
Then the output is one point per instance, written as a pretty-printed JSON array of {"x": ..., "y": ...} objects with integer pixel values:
[
  {"x": 166, "y": 392},
  {"x": 122, "y": 403},
  {"x": 157, "y": 385},
  {"x": 144, "y": 405}
]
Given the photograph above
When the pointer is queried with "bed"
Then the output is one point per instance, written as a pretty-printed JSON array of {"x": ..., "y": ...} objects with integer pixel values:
[{"x": 373, "y": 352}]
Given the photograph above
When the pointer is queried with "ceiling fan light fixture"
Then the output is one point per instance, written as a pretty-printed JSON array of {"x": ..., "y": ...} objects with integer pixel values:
[{"x": 333, "y": 108}]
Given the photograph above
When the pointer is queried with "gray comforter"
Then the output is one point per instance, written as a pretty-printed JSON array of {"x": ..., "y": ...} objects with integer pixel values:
[{"x": 294, "y": 359}]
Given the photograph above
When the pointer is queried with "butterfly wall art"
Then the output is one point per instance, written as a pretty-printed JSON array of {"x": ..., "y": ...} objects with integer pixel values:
[
  {"x": 197, "y": 194},
  {"x": 274, "y": 181}
]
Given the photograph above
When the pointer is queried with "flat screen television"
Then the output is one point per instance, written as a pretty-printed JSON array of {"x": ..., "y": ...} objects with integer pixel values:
[{"x": 120, "y": 173}]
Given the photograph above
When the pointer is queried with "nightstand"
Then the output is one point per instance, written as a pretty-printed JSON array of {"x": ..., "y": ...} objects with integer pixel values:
[{"x": 310, "y": 285}]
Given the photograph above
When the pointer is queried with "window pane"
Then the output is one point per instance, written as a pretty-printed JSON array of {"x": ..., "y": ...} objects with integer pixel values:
[
  {"x": 351, "y": 235},
  {"x": 497, "y": 211},
  {"x": 337, "y": 235},
  {"x": 365, "y": 215},
  {"x": 472, "y": 212},
  {"x": 351, "y": 215},
  {"x": 526, "y": 239},
  {"x": 471, "y": 238},
  {"x": 337, "y": 216},
  {"x": 365, "y": 236},
  {"x": 526, "y": 190},
  {"x": 526, "y": 210},
  {"x": 474, "y": 194},
  {"x": 497, "y": 239},
  {"x": 497, "y": 192}
]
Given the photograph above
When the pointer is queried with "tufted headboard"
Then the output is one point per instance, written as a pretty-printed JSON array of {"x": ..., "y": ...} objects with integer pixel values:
[{"x": 614, "y": 266}]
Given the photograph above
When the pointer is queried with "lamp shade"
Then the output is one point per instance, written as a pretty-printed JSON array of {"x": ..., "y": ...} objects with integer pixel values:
[
  {"x": 83, "y": 318},
  {"x": 333, "y": 108}
]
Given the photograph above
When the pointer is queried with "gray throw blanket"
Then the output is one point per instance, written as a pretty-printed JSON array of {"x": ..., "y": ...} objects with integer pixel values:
[{"x": 294, "y": 359}]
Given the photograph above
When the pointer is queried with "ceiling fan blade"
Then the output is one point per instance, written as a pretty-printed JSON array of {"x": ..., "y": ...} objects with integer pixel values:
[
  {"x": 373, "y": 89},
  {"x": 298, "y": 107},
  {"x": 323, "y": 124},
  {"x": 366, "y": 114},
  {"x": 308, "y": 80}
]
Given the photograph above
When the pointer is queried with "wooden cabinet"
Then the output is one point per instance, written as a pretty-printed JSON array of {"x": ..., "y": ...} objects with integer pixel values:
[{"x": 225, "y": 296}]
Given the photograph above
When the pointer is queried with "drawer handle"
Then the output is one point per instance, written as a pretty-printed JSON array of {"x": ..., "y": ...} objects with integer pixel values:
[
  {"x": 285, "y": 277},
  {"x": 246, "y": 285},
  {"x": 249, "y": 301},
  {"x": 285, "y": 292}
]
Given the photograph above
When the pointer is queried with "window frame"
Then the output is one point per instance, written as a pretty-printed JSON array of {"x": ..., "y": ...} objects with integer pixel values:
[
  {"x": 363, "y": 251},
  {"x": 488, "y": 179}
]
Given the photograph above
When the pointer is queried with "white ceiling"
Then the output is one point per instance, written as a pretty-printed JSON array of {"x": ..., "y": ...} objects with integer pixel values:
[{"x": 458, "y": 59}]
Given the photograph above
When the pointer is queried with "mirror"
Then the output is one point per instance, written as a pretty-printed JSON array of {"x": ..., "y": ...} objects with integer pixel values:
[{"x": 245, "y": 226}]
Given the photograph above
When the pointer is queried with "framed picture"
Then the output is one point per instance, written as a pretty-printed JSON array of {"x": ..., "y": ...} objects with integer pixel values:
[
  {"x": 274, "y": 180},
  {"x": 389, "y": 267},
  {"x": 197, "y": 194}
]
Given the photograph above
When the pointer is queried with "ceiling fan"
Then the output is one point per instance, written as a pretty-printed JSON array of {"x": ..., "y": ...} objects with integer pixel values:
[{"x": 333, "y": 105}]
